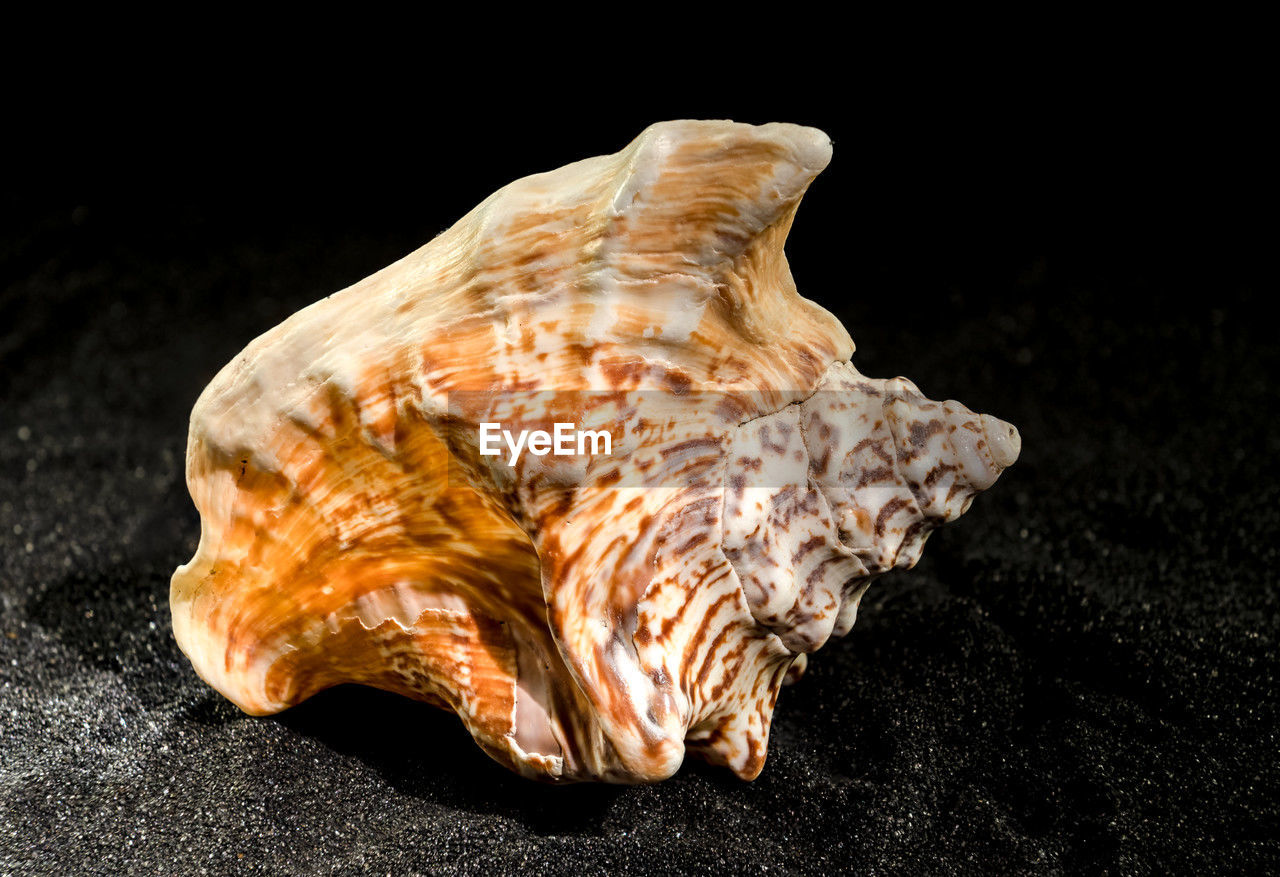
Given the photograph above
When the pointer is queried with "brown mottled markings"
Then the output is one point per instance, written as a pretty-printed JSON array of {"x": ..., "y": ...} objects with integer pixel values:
[
  {"x": 730, "y": 410},
  {"x": 767, "y": 442},
  {"x": 817, "y": 574},
  {"x": 716, "y": 734},
  {"x": 919, "y": 436},
  {"x": 562, "y": 503},
  {"x": 822, "y": 462},
  {"x": 875, "y": 445},
  {"x": 798, "y": 616},
  {"x": 704, "y": 670},
  {"x": 915, "y": 528},
  {"x": 698, "y": 444},
  {"x": 533, "y": 254},
  {"x": 580, "y": 353},
  {"x": 624, "y": 372},
  {"x": 888, "y": 511},
  {"x": 676, "y": 381},
  {"x": 692, "y": 542},
  {"x": 937, "y": 472},
  {"x": 813, "y": 543},
  {"x": 669, "y": 623},
  {"x": 808, "y": 504},
  {"x": 645, "y": 523},
  {"x": 704, "y": 623},
  {"x": 732, "y": 662},
  {"x": 871, "y": 476},
  {"x": 708, "y": 507}
]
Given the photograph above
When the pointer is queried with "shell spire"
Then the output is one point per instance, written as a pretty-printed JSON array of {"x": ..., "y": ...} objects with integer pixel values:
[{"x": 595, "y": 614}]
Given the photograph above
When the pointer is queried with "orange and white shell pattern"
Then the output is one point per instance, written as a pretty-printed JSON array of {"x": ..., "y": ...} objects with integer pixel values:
[{"x": 589, "y": 617}]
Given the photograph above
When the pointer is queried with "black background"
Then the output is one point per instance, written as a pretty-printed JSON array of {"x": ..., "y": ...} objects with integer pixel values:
[{"x": 1077, "y": 677}]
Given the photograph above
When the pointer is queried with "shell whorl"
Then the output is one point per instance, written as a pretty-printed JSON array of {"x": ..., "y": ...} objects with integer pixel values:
[{"x": 586, "y": 618}]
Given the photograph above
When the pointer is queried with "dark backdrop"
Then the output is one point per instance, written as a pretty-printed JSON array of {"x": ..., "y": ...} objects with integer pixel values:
[{"x": 1077, "y": 677}]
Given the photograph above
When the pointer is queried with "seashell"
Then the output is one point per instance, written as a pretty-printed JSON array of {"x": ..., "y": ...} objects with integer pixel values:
[{"x": 591, "y": 616}]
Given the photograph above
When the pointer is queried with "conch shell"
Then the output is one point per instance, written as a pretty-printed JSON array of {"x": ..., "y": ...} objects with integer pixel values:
[{"x": 589, "y": 617}]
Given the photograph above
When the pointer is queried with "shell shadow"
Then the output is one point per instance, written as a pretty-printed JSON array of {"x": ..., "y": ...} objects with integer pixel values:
[{"x": 425, "y": 752}]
